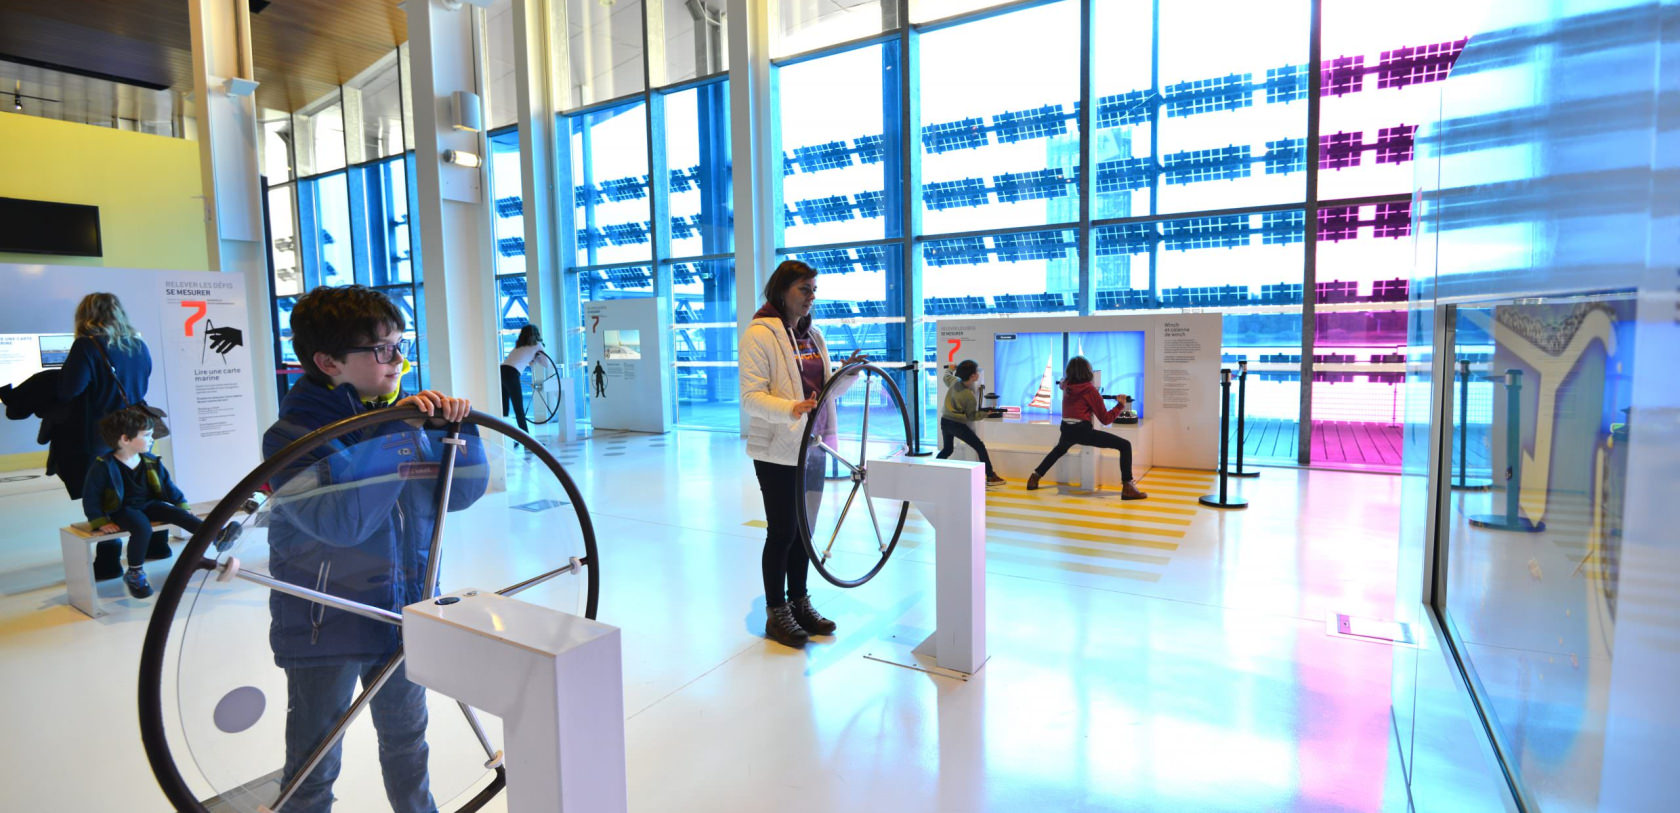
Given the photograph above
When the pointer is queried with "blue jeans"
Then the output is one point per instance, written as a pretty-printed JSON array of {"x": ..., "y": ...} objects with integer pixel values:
[
  {"x": 319, "y": 696},
  {"x": 138, "y": 523}
]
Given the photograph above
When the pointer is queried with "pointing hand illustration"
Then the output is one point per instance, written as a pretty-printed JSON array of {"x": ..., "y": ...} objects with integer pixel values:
[{"x": 223, "y": 339}]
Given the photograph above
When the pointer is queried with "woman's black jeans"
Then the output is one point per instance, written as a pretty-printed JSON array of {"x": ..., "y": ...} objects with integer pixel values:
[
  {"x": 1083, "y": 433},
  {"x": 513, "y": 396},
  {"x": 784, "y": 562}
]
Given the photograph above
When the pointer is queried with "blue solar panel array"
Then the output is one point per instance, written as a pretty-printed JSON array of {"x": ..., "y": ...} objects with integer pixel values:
[
  {"x": 1281, "y": 85},
  {"x": 511, "y": 246},
  {"x": 1224, "y": 231},
  {"x": 1008, "y": 248},
  {"x": 842, "y": 260}
]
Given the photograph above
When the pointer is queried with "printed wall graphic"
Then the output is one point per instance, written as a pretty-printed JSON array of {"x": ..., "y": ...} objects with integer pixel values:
[{"x": 202, "y": 370}]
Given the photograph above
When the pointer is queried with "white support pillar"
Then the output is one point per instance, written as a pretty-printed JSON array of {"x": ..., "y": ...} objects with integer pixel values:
[
  {"x": 454, "y": 227},
  {"x": 952, "y": 495},
  {"x": 544, "y": 183},
  {"x": 751, "y": 144},
  {"x": 228, "y": 162}
]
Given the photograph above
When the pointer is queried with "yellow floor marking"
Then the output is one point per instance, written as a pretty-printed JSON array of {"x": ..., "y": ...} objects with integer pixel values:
[
  {"x": 1075, "y": 493},
  {"x": 1082, "y": 536},
  {"x": 1054, "y": 521},
  {"x": 1087, "y": 510},
  {"x": 1183, "y": 472},
  {"x": 1077, "y": 567},
  {"x": 1086, "y": 503},
  {"x": 1076, "y": 550},
  {"x": 1178, "y": 481},
  {"x": 756, "y": 523}
]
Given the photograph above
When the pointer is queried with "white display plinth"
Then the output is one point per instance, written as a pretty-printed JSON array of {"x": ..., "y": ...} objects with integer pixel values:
[
  {"x": 565, "y": 752},
  {"x": 952, "y": 495}
]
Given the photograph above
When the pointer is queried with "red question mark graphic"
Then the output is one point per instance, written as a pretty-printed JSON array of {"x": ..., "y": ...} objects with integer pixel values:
[
  {"x": 594, "y": 324},
  {"x": 955, "y": 345},
  {"x": 198, "y": 307}
]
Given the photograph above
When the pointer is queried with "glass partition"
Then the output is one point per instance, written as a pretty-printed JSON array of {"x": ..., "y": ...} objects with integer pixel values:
[
  {"x": 610, "y": 170},
  {"x": 838, "y": 123},
  {"x": 703, "y": 319},
  {"x": 1000, "y": 137}
]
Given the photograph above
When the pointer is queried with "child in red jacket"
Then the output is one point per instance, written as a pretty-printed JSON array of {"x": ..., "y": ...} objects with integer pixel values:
[{"x": 1080, "y": 403}]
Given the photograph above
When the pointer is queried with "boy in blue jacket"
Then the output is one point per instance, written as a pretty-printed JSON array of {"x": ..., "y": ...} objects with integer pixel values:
[
  {"x": 128, "y": 489},
  {"x": 354, "y": 519}
]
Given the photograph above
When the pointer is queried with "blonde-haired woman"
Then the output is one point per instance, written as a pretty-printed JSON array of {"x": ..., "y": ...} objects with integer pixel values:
[{"x": 107, "y": 362}]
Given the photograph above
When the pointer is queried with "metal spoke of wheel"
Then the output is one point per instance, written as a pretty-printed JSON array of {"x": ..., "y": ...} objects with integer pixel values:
[
  {"x": 874, "y": 521},
  {"x": 830, "y": 449},
  {"x": 575, "y": 564},
  {"x": 324, "y": 599},
  {"x": 841, "y": 521},
  {"x": 361, "y": 702},
  {"x": 863, "y": 446},
  {"x": 452, "y": 445},
  {"x": 478, "y": 731}
]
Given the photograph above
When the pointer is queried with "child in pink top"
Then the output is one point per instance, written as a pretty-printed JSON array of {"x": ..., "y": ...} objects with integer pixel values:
[{"x": 1080, "y": 403}]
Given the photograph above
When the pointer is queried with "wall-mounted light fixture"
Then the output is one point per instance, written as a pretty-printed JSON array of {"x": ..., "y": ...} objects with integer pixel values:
[{"x": 461, "y": 158}]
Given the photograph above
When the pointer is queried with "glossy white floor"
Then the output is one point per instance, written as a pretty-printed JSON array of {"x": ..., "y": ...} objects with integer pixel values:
[{"x": 1145, "y": 656}]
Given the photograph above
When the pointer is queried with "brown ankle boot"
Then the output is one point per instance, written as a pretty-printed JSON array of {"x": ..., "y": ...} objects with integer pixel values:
[
  {"x": 1131, "y": 492},
  {"x": 1032, "y": 481}
]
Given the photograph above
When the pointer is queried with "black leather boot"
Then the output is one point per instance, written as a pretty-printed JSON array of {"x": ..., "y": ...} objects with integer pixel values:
[
  {"x": 809, "y": 619},
  {"x": 781, "y": 627}
]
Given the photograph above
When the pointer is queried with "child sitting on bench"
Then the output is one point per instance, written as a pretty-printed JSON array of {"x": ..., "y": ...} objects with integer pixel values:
[{"x": 128, "y": 489}]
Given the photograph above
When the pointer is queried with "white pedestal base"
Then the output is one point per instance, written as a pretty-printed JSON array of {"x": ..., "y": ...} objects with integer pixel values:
[
  {"x": 556, "y": 680},
  {"x": 952, "y": 495}
]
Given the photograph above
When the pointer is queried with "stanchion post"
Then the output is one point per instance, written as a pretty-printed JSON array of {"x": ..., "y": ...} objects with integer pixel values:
[
  {"x": 1223, "y": 498},
  {"x": 1242, "y": 421},
  {"x": 1463, "y": 481},
  {"x": 1511, "y": 520},
  {"x": 914, "y": 377}
]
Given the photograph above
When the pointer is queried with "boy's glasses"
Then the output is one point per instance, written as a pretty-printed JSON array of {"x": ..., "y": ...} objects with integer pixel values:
[{"x": 385, "y": 353}]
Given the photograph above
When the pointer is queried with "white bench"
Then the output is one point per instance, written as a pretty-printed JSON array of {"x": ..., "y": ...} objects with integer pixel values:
[{"x": 78, "y": 540}]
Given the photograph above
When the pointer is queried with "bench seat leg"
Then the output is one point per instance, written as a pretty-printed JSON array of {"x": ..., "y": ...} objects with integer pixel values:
[{"x": 78, "y": 572}]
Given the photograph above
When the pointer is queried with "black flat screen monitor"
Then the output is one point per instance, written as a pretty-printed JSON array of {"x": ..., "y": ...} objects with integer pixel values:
[{"x": 44, "y": 227}]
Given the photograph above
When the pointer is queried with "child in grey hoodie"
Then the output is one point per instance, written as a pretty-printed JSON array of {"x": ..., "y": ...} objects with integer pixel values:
[{"x": 959, "y": 412}]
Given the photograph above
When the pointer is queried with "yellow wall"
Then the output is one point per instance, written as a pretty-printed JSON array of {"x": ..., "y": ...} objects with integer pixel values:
[{"x": 151, "y": 213}]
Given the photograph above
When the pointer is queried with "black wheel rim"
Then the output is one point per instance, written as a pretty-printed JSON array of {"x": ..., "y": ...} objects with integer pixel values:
[
  {"x": 836, "y": 384},
  {"x": 192, "y": 561}
]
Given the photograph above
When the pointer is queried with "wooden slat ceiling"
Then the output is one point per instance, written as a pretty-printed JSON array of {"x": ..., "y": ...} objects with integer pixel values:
[{"x": 302, "y": 49}]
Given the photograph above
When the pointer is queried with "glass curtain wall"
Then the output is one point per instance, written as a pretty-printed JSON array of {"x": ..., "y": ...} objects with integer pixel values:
[
  {"x": 1198, "y": 200},
  {"x": 652, "y": 207},
  {"x": 1546, "y": 271},
  {"x": 342, "y": 216}
]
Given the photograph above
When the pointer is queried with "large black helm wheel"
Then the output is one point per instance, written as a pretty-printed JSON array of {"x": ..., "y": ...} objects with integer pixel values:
[
  {"x": 274, "y": 664},
  {"x": 860, "y": 417},
  {"x": 545, "y": 390}
]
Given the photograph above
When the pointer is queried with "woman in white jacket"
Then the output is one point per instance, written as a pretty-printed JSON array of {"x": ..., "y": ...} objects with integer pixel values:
[{"x": 784, "y": 362}]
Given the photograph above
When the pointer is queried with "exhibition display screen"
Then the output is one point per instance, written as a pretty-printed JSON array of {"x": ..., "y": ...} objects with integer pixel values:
[{"x": 1026, "y": 367}]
